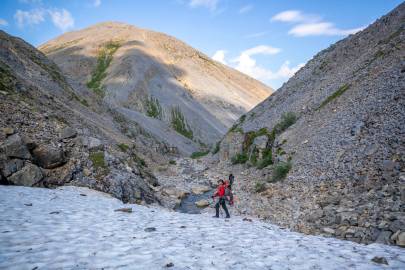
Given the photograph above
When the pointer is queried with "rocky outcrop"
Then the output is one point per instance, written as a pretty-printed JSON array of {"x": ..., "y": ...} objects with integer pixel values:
[
  {"x": 48, "y": 157},
  {"x": 333, "y": 137},
  {"x": 14, "y": 147},
  {"x": 29, "y": 175}
]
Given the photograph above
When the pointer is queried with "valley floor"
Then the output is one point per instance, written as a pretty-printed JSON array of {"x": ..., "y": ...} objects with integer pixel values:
[{"x": 77, "y": 228}]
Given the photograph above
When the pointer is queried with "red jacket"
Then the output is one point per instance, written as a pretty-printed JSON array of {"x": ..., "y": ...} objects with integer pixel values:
[{"x": 220, "y": 191}]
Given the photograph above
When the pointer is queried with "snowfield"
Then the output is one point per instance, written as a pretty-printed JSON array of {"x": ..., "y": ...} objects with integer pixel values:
[{"x": 77, "y": 228}]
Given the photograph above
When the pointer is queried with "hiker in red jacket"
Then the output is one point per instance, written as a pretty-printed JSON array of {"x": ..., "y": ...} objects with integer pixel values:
[{"x": 220, "y": 193}]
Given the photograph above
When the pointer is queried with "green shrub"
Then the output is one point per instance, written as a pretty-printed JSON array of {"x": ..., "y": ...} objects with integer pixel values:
[
  {"x": 217, "y": 148},
  {"x": 242, "y": 119},
  {"x": 251, "y": 136},
  {"x": 235, "y": 127},
  {"x": 104, "y": 59},
  {"x": 199, "y": 154},
  {"x": 336, "y": 94},
  {"x": 239, "y": 159},
  {"x": 7, "y": 79},
  {"x": 281, "y": 170},
  {"x": 172, "y": 162},
  {"x": 84, "y": 102},
  {"x": 139, "y": 161},
  {"x": 287, "y": 120},
  {"x": 124, "y": 147},
  {"x": 260, "y": 187},
  {"x": 266, "y": 160},
  {"x": 179, "y": 123},
  {"x": 153, "y": 108},
  {"x": 284, "y": 141},
  {"x": 97, "y": 158}
]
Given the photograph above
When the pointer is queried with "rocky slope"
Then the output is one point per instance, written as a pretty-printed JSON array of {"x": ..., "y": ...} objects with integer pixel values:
[
  {"x": 173, "y": 91},
  {"x": 335, "y": 132},
  {"x": 49, "y": 136}
]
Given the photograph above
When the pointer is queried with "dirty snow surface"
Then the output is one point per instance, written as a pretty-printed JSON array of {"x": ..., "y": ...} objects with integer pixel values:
[{"x": 77, "y": 228}]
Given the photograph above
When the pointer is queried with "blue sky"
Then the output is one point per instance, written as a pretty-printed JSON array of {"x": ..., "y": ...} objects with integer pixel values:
[{"x": 268, "y": 39}]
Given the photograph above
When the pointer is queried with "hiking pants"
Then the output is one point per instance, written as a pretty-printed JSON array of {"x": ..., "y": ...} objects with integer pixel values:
[{"x": 223, "y": 204}]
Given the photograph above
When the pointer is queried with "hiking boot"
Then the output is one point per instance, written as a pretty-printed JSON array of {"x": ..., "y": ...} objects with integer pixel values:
[
  {"x": 215, "y": 216},
  {"x": 228, "y": 217}
]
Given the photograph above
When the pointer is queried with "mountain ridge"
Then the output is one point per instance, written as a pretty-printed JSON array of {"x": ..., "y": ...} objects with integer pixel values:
[{"x": 151, "y": 66}]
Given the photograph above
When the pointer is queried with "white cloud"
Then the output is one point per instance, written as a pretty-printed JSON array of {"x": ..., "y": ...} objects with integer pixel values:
[
  {"x": 245, "y": 9},
  {"x": 261, "y": 49},
  {"x": 97, "y": 3},
  {"x": 3, "y": 22},
  {"x": 286, "y": 72},
  {"x": 289, "y": 16},
  {"x": 210, "y": 4},
  {"x": 220, "y": 56},
  {"x": 311, "y": 25},
  {"x": 62, "y": 19},
  {"x": 319, "y": 29},
  {"x": 247, "y": 64},
  {"x": 32, "y": 17}
]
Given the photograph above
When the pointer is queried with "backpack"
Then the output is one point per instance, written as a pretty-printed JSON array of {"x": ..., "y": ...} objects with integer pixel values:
[{"x": 229, "y": 195}]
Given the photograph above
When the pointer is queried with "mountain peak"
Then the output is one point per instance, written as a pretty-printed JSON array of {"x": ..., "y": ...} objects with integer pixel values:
[{"x": 144, "y": 66}]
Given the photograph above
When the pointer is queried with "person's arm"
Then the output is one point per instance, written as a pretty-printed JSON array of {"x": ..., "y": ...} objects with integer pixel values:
[{"x": 215, "y": 194}]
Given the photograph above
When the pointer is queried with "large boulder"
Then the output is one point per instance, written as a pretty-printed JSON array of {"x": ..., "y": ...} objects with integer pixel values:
[
  {"x": 202, "y": 203},
  {"x": 48, "y": 157},
  {"x": 68, "y": 133},
  {"x": 11, "y": 166},
  {"x": 401, "y": 239},
  {"x": 231, "y": 145},
  {"x": 93, "y": 144},
  {"x": 28, "y": 176},
  {"x": 61, "y": 175},
  {"x": 197, "y": 190},
  {"x": 259, "y": 145},
  {"x": 174, "y": 192},
  {"x": 14, "y": 147}
]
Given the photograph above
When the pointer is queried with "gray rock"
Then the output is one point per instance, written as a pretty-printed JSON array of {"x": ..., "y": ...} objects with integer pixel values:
[
  {"x": 356, "y": 129},
  {"x": 11, "y": 166},
  {"x": 400, "y": 241},
  {"x": 202, "y": 203},
  {"x": 125, "y": 210},
  {"x": 48, "y": 157},
  {"x": 380, "y": 260},
  {"x": 397, "y": 225},
  {"x": 200, "y": 189},
  {"x": 28, "y": 176},
  {"x": 93, "y": 144},
  {"x": 384, "y": 237},
  {"x": 328, "y": 230},
  {"x": 8, "y": 131},
  {"x": 29, "y": 142},
  {"x": 14, "y": 147},
  {"x": 68, "y": 133}
]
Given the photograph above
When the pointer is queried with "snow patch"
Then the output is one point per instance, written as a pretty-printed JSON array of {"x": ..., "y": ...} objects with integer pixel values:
[{"x": 84, "y": 231}]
